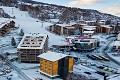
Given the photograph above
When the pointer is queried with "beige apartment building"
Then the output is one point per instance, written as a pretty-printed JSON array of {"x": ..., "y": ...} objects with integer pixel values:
[{"x": 31, "y": 46}]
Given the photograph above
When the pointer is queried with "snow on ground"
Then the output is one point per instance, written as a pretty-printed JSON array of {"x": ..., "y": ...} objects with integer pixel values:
[
  {"x": 117, "y": 58},
  {"x": 81, "y": 69},
  {"x": 13, "y": 75},
  {"x": 100, "y": 37},
  {"x": 30, "y": 25},
  {"x": 114, "y": 77}
]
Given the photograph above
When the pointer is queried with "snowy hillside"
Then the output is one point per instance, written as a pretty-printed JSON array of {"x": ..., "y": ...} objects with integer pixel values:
[{"x": 29, "y": 25}]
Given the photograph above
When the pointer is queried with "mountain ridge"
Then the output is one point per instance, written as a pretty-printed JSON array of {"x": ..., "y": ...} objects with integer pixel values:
[{"x": 65, "y": 14}]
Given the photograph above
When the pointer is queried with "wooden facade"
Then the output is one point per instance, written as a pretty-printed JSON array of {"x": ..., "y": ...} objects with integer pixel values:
[
  {"x": 106, "y": 30},
  {"x": 57, "y": 68},
  {"x": 56, "y": 29},
  {"x": 88, "y": 26},
  {"x": 60, "y": 30},
  {"x": 6, "y": 28},
  {"x": 49, "y": 67}
]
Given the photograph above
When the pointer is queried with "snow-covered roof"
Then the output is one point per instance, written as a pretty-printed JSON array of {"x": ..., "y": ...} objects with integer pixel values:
[
  {"x": 32, "y": 41},
  {"x": 3, "y": 21},
  {"x": 88, "y": 32},
  {"x": 102, "y": 20},
  {"x": 65, "y": 25},
  {"x": 90, "y": 21},
  {"x": 117, "y": 43},
  {"x": 89, "y": 27},
  {"x": 106, "y": 26},
  {"x": 83, "y": 24},
  {"x": 52, "y": 56}
]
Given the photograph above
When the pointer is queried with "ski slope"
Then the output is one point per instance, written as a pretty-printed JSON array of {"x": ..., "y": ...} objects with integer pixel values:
[{"x": 30, "y": 25}]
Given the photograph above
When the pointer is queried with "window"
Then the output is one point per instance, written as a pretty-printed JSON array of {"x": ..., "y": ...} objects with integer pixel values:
[
  {"x": 27, "y": 36},
  {"x": 40, "y": 40},
  {"x": 25, "y": 39},
  {"x": 76, "y": 40}
]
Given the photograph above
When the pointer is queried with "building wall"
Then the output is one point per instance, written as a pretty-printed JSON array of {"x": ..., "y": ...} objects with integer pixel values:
[
  {"x": 60, "y": 67},
  {"x": 60, "y": 30},
  {"x": 55, "y": 68},
  {"x": 63, "y": 67},
  {"x": 117, "y": 28},
  {"x": 118, "y": 37},
  {"x": 84, "y": 46},
  {"x": 6, "y": 28},
  {"x": 46, "y": 66},
  {"x": 49, "y": 67},
  {"x": 71, "y": 62},
  {"x": 116, "y": 48},
  {"x": 71, "y": 31},
  {"x": 106, "y": 30},
  {"x": 29, "y": 55},
  {"x": 57, "y": 29}
]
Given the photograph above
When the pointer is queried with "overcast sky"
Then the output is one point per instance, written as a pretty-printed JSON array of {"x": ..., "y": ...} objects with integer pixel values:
[{"x": 107, "y": 6}]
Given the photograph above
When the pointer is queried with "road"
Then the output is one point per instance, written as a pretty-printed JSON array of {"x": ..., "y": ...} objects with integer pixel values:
[
  {"x": 101, "y": 51},
  {"x": 20, "y": 73}
]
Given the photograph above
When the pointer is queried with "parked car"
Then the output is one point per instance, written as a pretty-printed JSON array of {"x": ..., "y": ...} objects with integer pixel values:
[
  {"x": 100, "y": 67},
  {"x": 101, "y": 73},
  {"x": 87, "y": 73},
  {"x": 91, "y": 57}
]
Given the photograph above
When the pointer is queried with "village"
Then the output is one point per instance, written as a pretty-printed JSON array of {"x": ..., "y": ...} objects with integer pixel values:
[{"x": 83, "y": 50}]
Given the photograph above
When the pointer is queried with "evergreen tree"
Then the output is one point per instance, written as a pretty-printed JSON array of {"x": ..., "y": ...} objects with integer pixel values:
[
  {"x": 13, "y": 43},
  {"x": 21, "y": 32}
]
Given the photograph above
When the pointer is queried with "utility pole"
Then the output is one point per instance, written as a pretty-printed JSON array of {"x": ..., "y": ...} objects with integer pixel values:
[{"x": 12, "y": 10}]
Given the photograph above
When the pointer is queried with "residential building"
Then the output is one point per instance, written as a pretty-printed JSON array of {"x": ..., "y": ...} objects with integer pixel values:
[
  {"x": 89, "y": 28},
  {"x": 31, "y": 46},
  {"x": 54, "y": 64},
  {"x": 91, "y": 23},
  {"x": 6, "y": 27},
  {"x": 116, "y": 46},
  {"x": 88, "y": 33},
  {"x": 63, "y": 29},
  {"x": 1, "y": 10},
  {"x": 86, "y": 43},
  {"x": 106, "y": 29},
  {"x": 118, "y": 38}
]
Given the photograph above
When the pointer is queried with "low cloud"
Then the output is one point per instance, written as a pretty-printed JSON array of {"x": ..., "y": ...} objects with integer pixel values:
[
  {"x": 114, "y": 9},
  {"x": 83, "y": 2}
]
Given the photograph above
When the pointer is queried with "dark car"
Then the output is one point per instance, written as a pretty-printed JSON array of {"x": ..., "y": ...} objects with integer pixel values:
[
  {"x": 87, "y": 73},
  {"x": 91, "y": 57},
  {"x": 101, "y": 73},
  {"x": 100, "y": 67}
]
